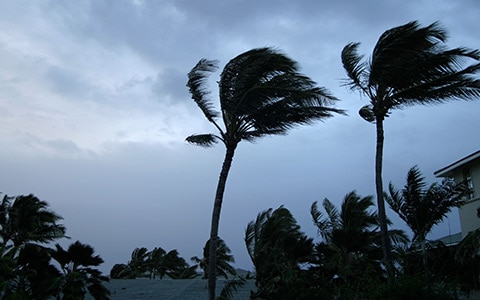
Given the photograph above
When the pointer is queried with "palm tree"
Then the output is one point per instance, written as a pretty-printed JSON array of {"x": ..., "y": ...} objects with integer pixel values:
[
  {"x": 261, "y": 93},
  {"x": 409, "y": 65},
  {"x": 224, "y": 259},
  {"x": 138, "y": 264},
  {"x": 80, "y": 275},
  {"x": 155, "y": 262},
  {"x": 351, "y": 244},
  {"x": 120, "y": 271},
  {"x": 422, "y": 208},
  {"x": 279, "y": 251},
  {"x": 25, "y": 219}
]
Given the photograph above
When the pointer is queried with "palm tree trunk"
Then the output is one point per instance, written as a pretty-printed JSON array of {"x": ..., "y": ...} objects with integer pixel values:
[
  {"x": 217, "y": 207},
  {"x": 382, "y": 217},
  {"x": 424, "y": 255}
]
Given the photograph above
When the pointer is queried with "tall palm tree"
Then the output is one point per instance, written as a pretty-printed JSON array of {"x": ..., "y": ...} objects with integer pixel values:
[
  {"x": 409, "y": 65},
  {"x": 261, "y": 93},
  {"x": 224, "y": 260},
  {"x": 80, "y": 274},
  {"x": 422, "y": 208},
  {"x": 25, "y": 219}
]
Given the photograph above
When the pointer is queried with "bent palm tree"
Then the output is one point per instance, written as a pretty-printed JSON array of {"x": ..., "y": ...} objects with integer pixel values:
[
  {"x": 261, "y": 93},
  {"x": 138, "y": 264},
  {"x": 279, "y": 252},
  {"x": 80, "y": 275},
  {"x": 422, "y": 208},
  {"x": 409, "y": 65}
]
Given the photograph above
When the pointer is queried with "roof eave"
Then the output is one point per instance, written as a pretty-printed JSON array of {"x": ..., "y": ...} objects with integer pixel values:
[{"x": 448, "y": 170}]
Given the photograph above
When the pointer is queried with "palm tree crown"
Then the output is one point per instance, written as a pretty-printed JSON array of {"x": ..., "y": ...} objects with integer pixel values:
[
  {"x": 261, "y": 93},
  {"x": 411, "y": 65},
  {"x": 422, "y": 208},
  {"x": 26, "y": 219}
]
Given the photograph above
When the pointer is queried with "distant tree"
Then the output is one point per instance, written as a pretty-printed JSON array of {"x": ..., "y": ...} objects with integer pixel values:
[
  {"x": 155, "y": 262},
  {"x": 138, "y": 264},
  {"x": 409, "y": 65},
  {"x": 146, "y": 263},
  {"x": 261, "y": 93},
  {"x": 224, "y": 259},
  {"x": 422, "y": 208},
  {"x": 175, "y": 266},
  {"x": 279, "y": 251},
  {"x": 120, "y": 271}
]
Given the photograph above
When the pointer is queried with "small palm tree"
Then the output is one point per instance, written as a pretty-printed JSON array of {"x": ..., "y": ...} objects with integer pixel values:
[
  {"x": 120, "y": 271},
  {"x": 409, "y": 65},
  {"x": 261, "y": 93},
  {"x": 224, "y": 259},
  {"x": 422, "y": 208},
  {"x": 155, "y": 262},
  {"x": 351, "y": 243},
  {"x": 138, "y": 264},
  {"x": 279, "y": 251},
  {"x": 80, "y": 275}
]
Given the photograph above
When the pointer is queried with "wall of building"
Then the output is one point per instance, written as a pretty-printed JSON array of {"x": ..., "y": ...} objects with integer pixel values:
[{"x": 469, "y": 219}]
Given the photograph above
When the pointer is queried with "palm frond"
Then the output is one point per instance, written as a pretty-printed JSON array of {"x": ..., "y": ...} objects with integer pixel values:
[
  {"x": 332, "y": 213},
  {"x": 321, "y": 224},
  {"x": 203, "y": 140},
  {"x": 231, "y": 286},
  {"x": 197, "y": 81},
  {"x": 353, "y": 65}
]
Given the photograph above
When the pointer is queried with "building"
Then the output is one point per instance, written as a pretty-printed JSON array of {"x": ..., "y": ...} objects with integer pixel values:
[{"x": 466, "y": 170}]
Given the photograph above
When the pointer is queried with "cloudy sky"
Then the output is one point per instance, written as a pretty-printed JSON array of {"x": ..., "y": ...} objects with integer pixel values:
[{"x": 94, "y": 113}]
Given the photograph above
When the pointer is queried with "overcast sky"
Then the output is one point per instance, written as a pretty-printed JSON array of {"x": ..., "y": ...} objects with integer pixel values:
[{"x": 94, "y": 113}]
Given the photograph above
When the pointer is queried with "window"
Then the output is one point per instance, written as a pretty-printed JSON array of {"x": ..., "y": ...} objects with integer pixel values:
[{"x": 467, "y": 178}]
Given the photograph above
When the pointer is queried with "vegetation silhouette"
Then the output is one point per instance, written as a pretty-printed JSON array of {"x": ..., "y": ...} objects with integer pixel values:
[
  {"x": 27, "y": 266},
  {"x": 224, "y": 260},
  {"x": 409, "y": 65},
  {"x": 423, "y": 208},
  {"x": 158, "y": 262}
]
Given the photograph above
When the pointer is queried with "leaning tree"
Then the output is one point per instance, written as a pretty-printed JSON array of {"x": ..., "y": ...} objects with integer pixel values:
[{"x": 261, "y": 93}]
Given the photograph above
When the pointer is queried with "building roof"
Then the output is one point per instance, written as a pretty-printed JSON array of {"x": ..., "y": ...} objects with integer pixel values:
[
  {"x": 169, "y": 289},
  {"x": 447, "y": 171}
]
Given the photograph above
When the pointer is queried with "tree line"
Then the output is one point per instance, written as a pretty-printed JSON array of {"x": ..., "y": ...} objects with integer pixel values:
[
  {"x": 347, "y": 262},
  {"x": 158, "y": 262},
  {"x": 30, "y": 269}
]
